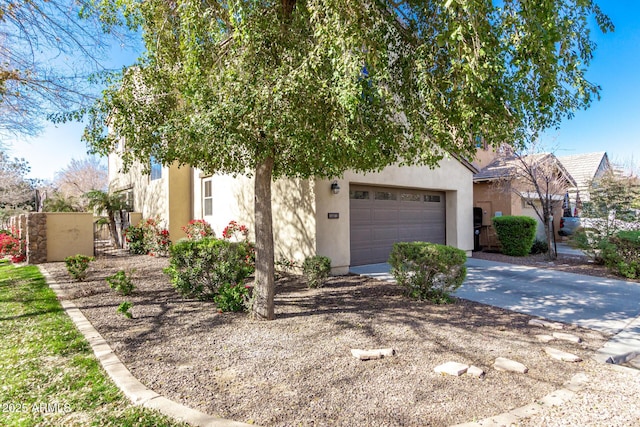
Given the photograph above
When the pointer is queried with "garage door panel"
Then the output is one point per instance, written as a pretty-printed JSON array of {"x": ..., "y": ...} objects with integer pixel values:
[
  {"x": 389, "y": 215},
  {"x": 386, "y": 214}
]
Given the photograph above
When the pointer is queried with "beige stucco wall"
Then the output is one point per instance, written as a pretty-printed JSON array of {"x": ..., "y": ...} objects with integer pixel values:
[
  {"x": 69, "y": 234},
  {"x": 492, "y": 201},
  {"x": 167, "y": 198},
  {"x": 293, "y": 206}
]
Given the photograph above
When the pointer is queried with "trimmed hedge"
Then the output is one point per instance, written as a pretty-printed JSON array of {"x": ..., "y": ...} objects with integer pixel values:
[
  {"x": 198, "y": 268},
  {"x": 516, "y": 234},
  {"x": 428, "y": 270}
]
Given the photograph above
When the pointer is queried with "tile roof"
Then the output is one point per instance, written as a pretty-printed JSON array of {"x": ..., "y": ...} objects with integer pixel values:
[
  {"x": 502, "y": 167},
  {"x": 583, "y": 167}
]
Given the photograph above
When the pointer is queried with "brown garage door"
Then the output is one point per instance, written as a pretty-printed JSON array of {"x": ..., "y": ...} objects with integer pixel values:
[{"x": 381, "y": 216}]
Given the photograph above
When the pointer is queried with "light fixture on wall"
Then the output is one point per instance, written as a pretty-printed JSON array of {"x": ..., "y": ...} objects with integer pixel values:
[{"x": 335, "y": 188}]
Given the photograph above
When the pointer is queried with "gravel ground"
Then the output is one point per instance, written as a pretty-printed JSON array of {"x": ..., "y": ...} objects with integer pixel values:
[{"x": 298, "y": 370}]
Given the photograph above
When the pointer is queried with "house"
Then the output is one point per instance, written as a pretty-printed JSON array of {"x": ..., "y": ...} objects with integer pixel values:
[
  {"x": 584, "y": 168},
  {"x": 503, "y": 187},
  {"x": 354, "y": 219}
]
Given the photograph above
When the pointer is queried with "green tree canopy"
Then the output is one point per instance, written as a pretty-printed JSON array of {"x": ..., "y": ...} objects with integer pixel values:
[{"x": 311, "y": 88}]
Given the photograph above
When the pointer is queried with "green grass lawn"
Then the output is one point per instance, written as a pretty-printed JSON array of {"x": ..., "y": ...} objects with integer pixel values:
[{"x": 48, "y": 373}]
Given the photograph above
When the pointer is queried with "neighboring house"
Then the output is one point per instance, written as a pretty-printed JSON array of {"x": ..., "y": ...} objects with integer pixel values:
[
  {"x": 584, "y": 168},
  {"x": 493, "y": 200},
  {"x": 353, "y": 220}
]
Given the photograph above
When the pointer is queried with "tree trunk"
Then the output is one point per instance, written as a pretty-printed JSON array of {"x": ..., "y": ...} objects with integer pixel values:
[
  {"x": 548, "y": 231},
  {"x": 264, "y": 287},
  {"x": 113, "y": 230}
]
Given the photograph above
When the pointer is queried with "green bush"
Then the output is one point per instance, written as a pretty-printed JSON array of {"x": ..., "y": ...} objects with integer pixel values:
[
  {"x": 516, "y": 234},
  {"x": 125, "y": 308},
  {"x": 621, "y": 254},
  {"x": 232, "y": 297},
  {"x": 134, "y": 235},
  {"x": 539, "y": 247},
  {"x": 316, "y": 269},
  {"x": 428, "y": 270},
  {"x": 121, "y": 282},
  {"x": 77, "y": 266},
  {"x": 198, "y": 268}
]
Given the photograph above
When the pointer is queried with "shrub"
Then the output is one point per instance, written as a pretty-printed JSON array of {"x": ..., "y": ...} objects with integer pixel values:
[
  {"x": 134, "y": 236},
  {"x": 121, "y": 282},
  {"x": 316, "y": 269},
  {"x": 515, "y": 234},
  {"x": 428, "y": 270},
  {"x": 198, "y": 229},
  {"x": 12, "y": 246},
  {"x": 232, "y": 297},
  {"x": 77, "y": 266},
  {"x": 148, "y": 237},
  {"x": 198, "y": 268},
  {"x": 539, "y": 247},
  {"x": 621, "y": 254},
  {"x": 124, "y": 309}
]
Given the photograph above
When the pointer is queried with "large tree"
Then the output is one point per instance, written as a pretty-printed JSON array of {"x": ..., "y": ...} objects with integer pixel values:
[
  {"x": 75, "y": 180},
  {"x": 48, "y": 51},
  {"x": 311, "y": 88}
]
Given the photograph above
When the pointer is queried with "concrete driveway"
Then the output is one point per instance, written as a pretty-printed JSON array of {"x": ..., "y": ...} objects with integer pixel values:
[{"x": 611, "y": 306}]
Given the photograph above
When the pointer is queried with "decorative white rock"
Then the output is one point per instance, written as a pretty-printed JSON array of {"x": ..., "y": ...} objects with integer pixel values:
[
  {"x": 561, "y": 355},
  {"x": 452, "y": 368},
  {"x": 545, "y": 324},
  {"x": 475, "y": 371},
  {"x": 545, "y": 338},
  {"x": 504, "y": 364},
  {"x": 567, "y": 337},
  {"x": 372, "y": 354}
]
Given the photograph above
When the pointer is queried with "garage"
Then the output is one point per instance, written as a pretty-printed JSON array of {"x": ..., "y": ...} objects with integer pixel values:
[{"x": 381, "y": 216}]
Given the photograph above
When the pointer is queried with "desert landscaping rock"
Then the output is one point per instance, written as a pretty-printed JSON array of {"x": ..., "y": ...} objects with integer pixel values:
[
  {"x": 474, "y": 371},
  {"x": 452, "y": 368},
  {"x": 297, "y": 369},
  {"x": 567, "y": 337},
  {"x": 504, "y": 364},
  {"x": 545, "y": 338},
  {"x": 562, "y": 355},
  {"x": 546, "y": 324},
  {"x": 372, "y": 354}
]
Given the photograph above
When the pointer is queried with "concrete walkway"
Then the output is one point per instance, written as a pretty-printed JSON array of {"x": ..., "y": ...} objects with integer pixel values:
[{"x": 607, "y": 305}]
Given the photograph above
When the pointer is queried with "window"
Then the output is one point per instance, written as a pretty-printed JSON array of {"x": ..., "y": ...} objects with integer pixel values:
[
  {"x": 410, "y": 197},
  {"x": 359, "y": 195},
  {"x": 431, "y": 198},
  {"x": 386, "y": 195},
  {"x": 207, "y": 198},
  {"x": 156, "y": 169}
]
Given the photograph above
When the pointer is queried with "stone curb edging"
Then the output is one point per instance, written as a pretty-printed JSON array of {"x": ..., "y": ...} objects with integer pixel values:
[{"x": 137, "y": 392}]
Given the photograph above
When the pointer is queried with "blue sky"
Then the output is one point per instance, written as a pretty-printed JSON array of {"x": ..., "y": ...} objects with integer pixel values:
[{"x": 611, "y": 124}]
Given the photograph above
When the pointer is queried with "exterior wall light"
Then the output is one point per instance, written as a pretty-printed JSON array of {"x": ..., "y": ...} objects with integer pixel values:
[{"x": 335, "y": 188}]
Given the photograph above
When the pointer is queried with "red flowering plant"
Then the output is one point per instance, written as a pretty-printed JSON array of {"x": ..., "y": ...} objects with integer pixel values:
[
  {"x": 198, "y": 229},
  {"x": 148, "y": 237},
  {"x": 12, "y": 246},
  {"x": 240, "y": 234}
]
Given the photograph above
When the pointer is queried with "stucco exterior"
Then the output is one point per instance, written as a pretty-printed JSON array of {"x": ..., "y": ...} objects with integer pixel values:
[
  {"x": 167, "y": 197},
  {"x": 69, "y": 234},
  {"x": 493, "y": 201},
  {"x": 301, "y": 208}
]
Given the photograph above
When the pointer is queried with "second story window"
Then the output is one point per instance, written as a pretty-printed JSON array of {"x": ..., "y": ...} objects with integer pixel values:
[{"x": 156, "y": 169}]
